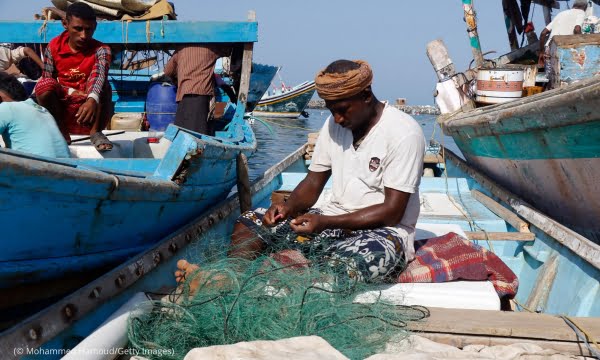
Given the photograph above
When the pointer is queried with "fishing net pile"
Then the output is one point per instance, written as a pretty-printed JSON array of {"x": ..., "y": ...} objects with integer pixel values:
[{"x": 272, "y": 297}]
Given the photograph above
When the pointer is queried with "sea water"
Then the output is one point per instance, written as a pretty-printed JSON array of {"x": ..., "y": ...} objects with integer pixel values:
[{"x": 277, "y": 138}]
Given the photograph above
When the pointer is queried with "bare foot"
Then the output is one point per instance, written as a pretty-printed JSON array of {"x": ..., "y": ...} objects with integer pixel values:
[{"x": 191, "y": 274}]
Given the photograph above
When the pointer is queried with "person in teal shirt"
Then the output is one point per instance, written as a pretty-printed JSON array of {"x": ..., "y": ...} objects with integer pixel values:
[{"x": 26, "y": 126}]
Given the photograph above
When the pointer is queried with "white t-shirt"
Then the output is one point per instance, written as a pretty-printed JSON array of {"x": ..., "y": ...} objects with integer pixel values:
[
  {"x": 9, "y": 57},
  {"x": 564, "y": 23},
  {"x": 391, "y": 155}
]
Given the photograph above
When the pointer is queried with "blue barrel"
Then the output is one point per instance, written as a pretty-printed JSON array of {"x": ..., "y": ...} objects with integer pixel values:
[{"x": 161, "y": 105}]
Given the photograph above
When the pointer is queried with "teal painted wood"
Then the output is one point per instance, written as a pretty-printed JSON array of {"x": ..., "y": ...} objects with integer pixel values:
[
  {"x": 574, "y": 292},
  {"x": 578, "y": 141},
  {"x": 545, "y": 148},
  {"x": 72, "y": 208},
  {"x": 557, "y": 124},
  {"x": 168, "y": 32},
  {"x": 575, "y": 58}
]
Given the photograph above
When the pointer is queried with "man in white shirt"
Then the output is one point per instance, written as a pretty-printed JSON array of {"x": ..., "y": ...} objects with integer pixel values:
[
  {"x": 568, "y": 22},
  {"x": 373, "y": 154},
  {"x": 10, "y": 56}
]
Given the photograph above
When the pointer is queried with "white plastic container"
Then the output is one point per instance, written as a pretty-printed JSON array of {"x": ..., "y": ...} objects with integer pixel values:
[
  {"x": 448, "y": 98},
  {"x": 499, "y": 85}
]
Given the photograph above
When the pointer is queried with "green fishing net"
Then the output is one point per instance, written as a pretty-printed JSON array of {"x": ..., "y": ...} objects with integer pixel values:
[{"x": 268, "y": 298}]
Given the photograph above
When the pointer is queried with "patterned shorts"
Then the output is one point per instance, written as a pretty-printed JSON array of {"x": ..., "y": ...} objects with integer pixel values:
[{"x": 368, "y": 255}]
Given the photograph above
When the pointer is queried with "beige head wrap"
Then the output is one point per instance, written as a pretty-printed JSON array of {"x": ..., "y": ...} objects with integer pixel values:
[{"x": 333, "y": 86}]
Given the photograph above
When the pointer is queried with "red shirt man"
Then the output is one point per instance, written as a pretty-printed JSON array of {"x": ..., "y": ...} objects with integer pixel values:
[{"x": 74, "y": 86}]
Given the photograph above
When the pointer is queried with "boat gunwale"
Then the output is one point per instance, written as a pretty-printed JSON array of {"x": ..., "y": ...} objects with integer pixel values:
[
  {"x": 490, "y": 115},
  {"x": 50, "y": 321},
  {"x": 285, "y": 96},
  {"x": 579, "y": 244}
]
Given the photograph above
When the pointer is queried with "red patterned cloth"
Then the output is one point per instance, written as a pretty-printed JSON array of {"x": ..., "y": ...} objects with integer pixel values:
[
  {"x": 71, "y": 104},
  {"x": 451, "y": 257}
]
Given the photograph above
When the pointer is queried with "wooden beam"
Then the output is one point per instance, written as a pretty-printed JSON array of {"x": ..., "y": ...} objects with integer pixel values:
[
  {"x": 137, "y": 32},
  {"x": 460, "y": 341},
  {"x": 496, "y": 236},
  {"x": 243, "y": 183},
  {"x": 583, "y": 247},
  {"x": 538, "y": 297},
  {"x": 507, "y": 324},
  {"x": 245, "y": 77},
  {"x": 501, "y": 211}
]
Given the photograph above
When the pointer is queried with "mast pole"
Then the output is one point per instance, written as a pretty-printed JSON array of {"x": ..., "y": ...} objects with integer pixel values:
[{"x": 471, "y": 20}]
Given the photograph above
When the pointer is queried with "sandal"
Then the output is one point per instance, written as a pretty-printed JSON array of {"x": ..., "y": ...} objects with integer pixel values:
[{"x": 101, "y": 142}]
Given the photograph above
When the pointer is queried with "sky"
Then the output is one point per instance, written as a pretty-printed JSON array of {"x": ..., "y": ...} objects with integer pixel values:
[{"x": 304, "y": 36}]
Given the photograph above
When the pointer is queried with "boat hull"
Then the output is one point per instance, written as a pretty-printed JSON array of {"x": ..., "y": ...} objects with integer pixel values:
[
  {"x": 287, "y": 105},
  {"x": 72, "y": 216},
  {"x": 573, "y": 290},
  {"x": 544, "y": 148}
]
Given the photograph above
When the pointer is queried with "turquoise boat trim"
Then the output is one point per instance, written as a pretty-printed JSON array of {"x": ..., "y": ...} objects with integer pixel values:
[
  {"x": 137, "y": 32},
  {"x": 578, "y": 141}
]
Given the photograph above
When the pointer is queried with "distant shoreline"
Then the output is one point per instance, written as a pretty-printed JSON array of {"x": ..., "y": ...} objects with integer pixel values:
[{"x": 409, "y": 109}]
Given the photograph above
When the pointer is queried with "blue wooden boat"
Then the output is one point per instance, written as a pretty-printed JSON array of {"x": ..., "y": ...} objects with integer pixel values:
[
  {"x": 289, "y": 103},
  {"x": 67, "y": 220},
  {"x": 558, "y": 270},
  {"x": 131, "y": 87},
  {"x": 544, "y": 147}
]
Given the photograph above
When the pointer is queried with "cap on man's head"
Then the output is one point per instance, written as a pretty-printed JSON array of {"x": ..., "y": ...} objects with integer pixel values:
[
  {"x": 81, "y": 10},
  {"x": 580, "y": 4}
]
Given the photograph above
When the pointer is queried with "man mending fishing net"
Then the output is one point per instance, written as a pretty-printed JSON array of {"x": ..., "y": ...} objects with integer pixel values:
[{"x": 374, "y": 155}]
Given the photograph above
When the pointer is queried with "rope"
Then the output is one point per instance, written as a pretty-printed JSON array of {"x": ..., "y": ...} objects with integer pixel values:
[
  {"x": 44, "y": 29},
  {"x": 523, "y": 306},
  {"x": 580, "y": 332},
  {"x": 279, "y": 124},
  {"x": 264, "y": 123},
  {"x": 465, "y": 213}
]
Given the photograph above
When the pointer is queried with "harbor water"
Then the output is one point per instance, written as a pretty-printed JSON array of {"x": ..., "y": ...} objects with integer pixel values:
[{"x": 277, "y": 138}]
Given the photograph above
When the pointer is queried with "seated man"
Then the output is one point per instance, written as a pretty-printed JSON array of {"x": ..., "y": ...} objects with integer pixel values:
[
  {"x": 374, "y": 155},
  {"x": 26, "y": 126},
  {"x": 74, "y": 85},
  {"x": 9, "y": 56}
]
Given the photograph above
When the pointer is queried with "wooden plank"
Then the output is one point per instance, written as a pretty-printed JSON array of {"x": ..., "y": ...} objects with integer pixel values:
[
  {"x": 245, "y": 77},
  {"x": 506, "y": 236},
  {"x": 137, "y": 32},
  {"x": 460, "y": 341},
  {"x": 580, "y": 245},
  {"x": 576, "y": 40},
  {"x": 501, "y": 211},
  {"x": 515, "y": 325},
  {"x": 538, "y": 297},
  {"x": 243, "y": 183}
]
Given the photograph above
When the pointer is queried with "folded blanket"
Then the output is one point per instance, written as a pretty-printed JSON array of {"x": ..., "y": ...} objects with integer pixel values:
[
  {"x": 451, "y": 257},
  {"x": 441, "y": 259}
]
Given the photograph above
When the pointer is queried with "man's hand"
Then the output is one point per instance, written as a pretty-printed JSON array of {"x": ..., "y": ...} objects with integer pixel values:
[
  {"x": 308, "y": 224},
  {"x": 542, "y": 59},
  {"x": 276, "y": 213},
  {"x": 87, "y": 111}
]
